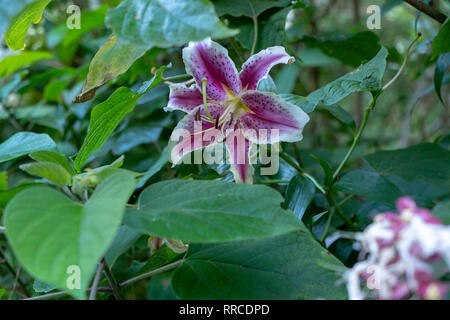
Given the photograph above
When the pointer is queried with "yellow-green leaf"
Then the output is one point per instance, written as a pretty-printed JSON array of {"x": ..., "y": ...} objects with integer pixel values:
[{"x": 32, "y": 13}]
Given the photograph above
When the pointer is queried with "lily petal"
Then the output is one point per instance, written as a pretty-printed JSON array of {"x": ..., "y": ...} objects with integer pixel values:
[
  {"x": 209, "y": 60},
  {"x": 257, "y": 67},
  {"x": 193, "y": 132},
  {"x": 184, "y": 98},
  {"x": 282, "y": 121},
  {"x": 238, "y": 148}
]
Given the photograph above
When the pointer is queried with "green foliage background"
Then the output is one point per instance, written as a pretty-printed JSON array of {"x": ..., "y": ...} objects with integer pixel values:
[{"x": 84, "y": 172}]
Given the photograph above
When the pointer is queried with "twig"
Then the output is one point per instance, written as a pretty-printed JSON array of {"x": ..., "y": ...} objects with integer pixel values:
[
  {"x": 63, "y": 293},
  {"x": 270, "y": 181},
  {"x": 428, "y": 10},
  {"x": 301, "y": 171},
  {"x": 255, "y": 28},
  {"x": 112, "y": 282},
  {"x": 178, "y": 77},
  {"x": 97, "y": 277},
  {"x": 162, "y": 269},
  {"x": 11, "y": 270}
]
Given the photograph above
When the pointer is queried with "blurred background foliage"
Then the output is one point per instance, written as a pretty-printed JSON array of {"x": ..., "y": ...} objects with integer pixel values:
[{"x": 328, "y": 39}]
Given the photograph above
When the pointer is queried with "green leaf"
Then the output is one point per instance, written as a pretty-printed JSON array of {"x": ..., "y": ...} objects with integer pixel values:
[
  {"x": 3, "y": 181},
  {"x": 23, "y": 143},
  {"x": 160, "y": 287},
  {"x": 89, "y": 20},
  {"x": 11, "y": 64},
  {"x": 290, "y": 266},
  {"x": 299, "y": 194},
  {"x": 247, "y": 8},
  {"x": 271, "y": 31},
  {"x": 440, "y": 43},
  {"x": 426, "y": 161},
  {"x": 154, "y": 81},
  {"x": 32, "y": 13},
  {"x": 168, "y": 23},
  {"x": 339, "y": 113},
  {"x": 161, "y": 257},
  {"x": 161, "y": 162},
  {"x": 104, "y": 119},
  {"x": 442, "y": 64},
  {"x": 53, "y": 172},
  {"x": 54, "y": 157},
  {"x": 210, "y": 211},
  {"x": 299, "y": 101},
  {"x": 7, "y": 13},
  {"x": 7, "y": 195},
  {"x": 49, "y": 233},
  {"x": 124, "y": 239},
  {"x": 326, "y": 169},
  {"x": 110, "y": 61},
  {"x": 39, "y": 286},
  {"x": 134, "y": 136},
  {"x": 442, "y": 211},
  {"x": 351, "y": 50},
  {"x": 369, "y": 184},
  {"x": 366, "y": 78}
]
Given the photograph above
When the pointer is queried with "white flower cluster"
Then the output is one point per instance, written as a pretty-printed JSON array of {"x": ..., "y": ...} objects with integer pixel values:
[{"x": 406, "y": 254}]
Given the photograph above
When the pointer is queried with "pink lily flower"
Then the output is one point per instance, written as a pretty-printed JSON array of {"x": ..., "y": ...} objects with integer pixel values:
[{"x": 229, "y": 106}]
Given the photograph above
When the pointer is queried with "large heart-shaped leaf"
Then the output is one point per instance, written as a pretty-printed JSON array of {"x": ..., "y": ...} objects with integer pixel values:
[
  {"x": 158, "y": 23},
  {"x": 51, "y": 234},
  {"x": 210, "y": 211},
  {"x": 290, "y": 266},
  {"x": 426, "y": 161}
]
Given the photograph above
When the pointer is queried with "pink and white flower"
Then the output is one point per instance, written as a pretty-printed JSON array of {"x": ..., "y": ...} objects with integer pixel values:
[
  {"x": 405, "y": 254},
  {"x": 233, "y": 111}
]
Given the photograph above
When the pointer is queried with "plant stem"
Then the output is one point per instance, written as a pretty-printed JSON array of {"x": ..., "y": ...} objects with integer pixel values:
[
  {"x": 428, "y": 10},
  {"x": 97, "y": 277},
  {"x": 255, "y": 28},
  {"x": 112, "y": 282},
  {"x": 162, "y": 269},
  {"x": 63, "y": 293},
  {"x": 13, "y": 273},
  {"x": 286, "y": 158},
  {"x": 2, "y": 229},
  {"x": 205, "y": 103},
  {"x": 327, "y": 226},
  {"x": 341, "y": 215},
  {"x": 178, "y": 77},
  {"x": 270, "y": 181},
  {"x": 356, "y": 139}
]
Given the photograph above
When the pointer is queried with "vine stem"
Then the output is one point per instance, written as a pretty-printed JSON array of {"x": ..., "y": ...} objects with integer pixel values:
[
  {"x": 97, "y": 277},
  {"x": 149, "y": 274},
  {"x": 255, "y": 28},
  {"x": 271, "y": 181},
  {"x": 357, "y": 137},
  {"x": 372, "y": 106},
  {"x": 112, "y": 281},
  {"x": 178, "y": 77},
  {"x": 13, "y": 273},
  {"x": 286, "y": 158}
]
